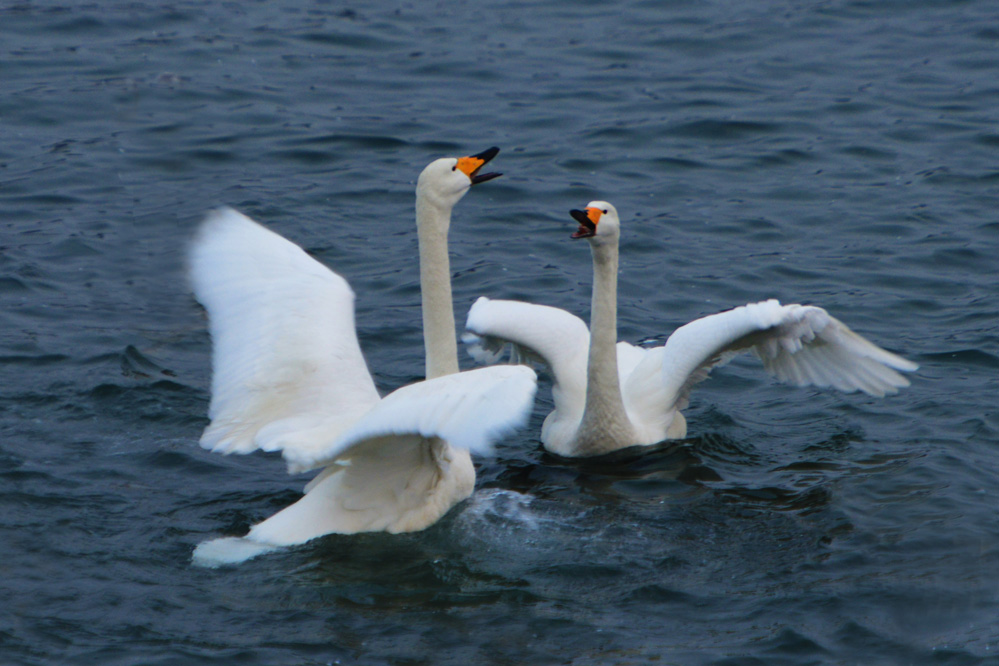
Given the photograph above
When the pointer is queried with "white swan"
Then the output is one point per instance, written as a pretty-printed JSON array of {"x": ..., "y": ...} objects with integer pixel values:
[
  {"x": 288, "y": 375},
  {"x": 609, "y": 396}
]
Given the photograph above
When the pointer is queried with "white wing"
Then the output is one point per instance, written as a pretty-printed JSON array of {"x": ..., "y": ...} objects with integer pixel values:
[
  {"x": 468, "y": 410},
  {"x": 801, "y": 345},
  {"x": 553, "y": 336},
  {"x": 390, "y": 471},
  {"x": 287, "y": 368}
]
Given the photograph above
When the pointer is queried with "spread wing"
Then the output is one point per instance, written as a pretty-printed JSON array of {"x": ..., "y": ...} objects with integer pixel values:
[
  {"x": 800, "y": 345},
  {"x": 468, "y": 410},
  {"x": 552, "y": 336},
  {"x": 287, "y": 370}
]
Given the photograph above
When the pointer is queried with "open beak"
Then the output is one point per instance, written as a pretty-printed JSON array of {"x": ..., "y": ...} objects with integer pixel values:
[
  {"x": 587, "y": 222},
  {"x": 471, "y": 165}
]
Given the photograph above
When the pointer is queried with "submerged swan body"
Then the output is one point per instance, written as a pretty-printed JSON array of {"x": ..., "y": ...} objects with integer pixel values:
[
  {"x": 611, "y": 395},
  {"x": 289, "y": 376}
]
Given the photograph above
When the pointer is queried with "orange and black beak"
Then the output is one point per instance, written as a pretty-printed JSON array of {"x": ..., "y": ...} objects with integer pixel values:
[
  {"x": 587, "y": 222},
  {"x": 470, "y": 166}
]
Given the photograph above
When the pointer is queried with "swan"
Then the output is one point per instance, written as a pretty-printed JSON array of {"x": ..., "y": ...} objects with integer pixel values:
[
  {"x": 289, "y": 376},
  {"x": 611, "y": 395}
]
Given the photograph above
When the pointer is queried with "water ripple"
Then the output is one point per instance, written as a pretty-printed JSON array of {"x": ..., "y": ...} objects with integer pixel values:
[{"x": 839, "y": 153}]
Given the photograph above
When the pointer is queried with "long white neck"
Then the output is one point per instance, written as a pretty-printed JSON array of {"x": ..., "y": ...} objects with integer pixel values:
[
  {"x": 605, "y": 421},
  {"x": 432, "y": 223}
]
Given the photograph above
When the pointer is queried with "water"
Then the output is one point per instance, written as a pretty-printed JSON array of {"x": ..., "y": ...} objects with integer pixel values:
[{"x": 842, "y": 153}]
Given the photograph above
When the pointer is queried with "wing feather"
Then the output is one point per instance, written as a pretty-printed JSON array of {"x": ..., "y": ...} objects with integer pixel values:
[
  {"x": 287, "y": 370},
  {"x": 468, "y": 410},
  {"x": 801, "y": 345},
  {"x": 531, "y": 332}
]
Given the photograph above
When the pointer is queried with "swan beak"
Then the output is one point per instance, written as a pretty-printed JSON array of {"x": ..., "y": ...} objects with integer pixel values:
[
  {"x": 587, "y": 222},
  {"x": 470, "y": 166}
]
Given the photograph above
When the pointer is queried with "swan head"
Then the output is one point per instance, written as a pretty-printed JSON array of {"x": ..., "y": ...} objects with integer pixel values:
[
  {"x": 598, "y": 222},
  {"x": 445, "y": 181}
]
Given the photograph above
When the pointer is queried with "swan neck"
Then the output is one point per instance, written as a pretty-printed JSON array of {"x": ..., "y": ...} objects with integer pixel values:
[
  {"x": 432, "y": 224},
  {"x": 603, "y": 386}
]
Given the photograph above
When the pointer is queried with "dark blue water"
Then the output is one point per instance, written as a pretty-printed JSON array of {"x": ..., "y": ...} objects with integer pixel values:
[{"x": 837, "y": 152}]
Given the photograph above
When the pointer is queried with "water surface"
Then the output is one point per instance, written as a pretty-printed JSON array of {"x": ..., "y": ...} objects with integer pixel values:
[{"x": 841, "y": 153}]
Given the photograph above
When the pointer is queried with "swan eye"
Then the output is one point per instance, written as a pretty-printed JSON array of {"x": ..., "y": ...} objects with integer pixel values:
[
  {"x": 605, "y": 211},
  {"x": 454, "y": 168}
]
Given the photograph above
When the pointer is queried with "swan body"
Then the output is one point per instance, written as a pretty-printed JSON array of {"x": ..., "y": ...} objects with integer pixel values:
[
  {"x": 289, "y": 376},
  {"x": 609, "y": 395}
]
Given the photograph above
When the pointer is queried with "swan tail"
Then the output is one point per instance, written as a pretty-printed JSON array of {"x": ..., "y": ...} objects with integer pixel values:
[{"x": 215, "y": 553}]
